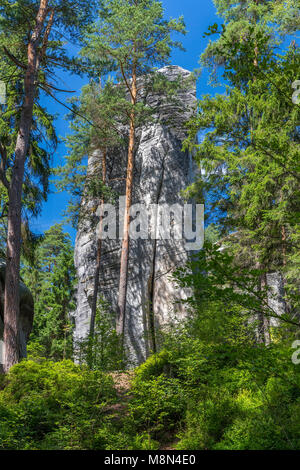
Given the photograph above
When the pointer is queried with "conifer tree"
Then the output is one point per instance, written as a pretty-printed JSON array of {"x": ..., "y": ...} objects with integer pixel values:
[
  {"x": 96, "y": 127},
  {"x": 251, "y": 148},
  {"x": 245, "y": 21},
  {"x": 31, "y": 43},
  {"x": 134, "y": 37},
  {"x": 50, "y": 274}
]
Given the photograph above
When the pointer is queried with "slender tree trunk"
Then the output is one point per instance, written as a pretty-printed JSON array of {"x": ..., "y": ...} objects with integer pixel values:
[
  {"x": 263, "y": 329},
  {"x": 283, "y": 236},
  {"x": 12, "y": 277},
  {"x": 256, "y": 51},
  {"x": 129, "y": 187},
  {"x": 266, "y": 321},
  {"x": 99, "y": 248}
]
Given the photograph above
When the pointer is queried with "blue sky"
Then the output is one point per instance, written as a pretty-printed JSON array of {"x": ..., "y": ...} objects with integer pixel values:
[{"x": 199, "y": 15}]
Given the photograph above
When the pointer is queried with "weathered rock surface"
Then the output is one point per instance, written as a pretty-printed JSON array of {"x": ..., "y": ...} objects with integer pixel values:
[
  {"x": 276, "y": 296},
  {"x": 26, "y": 313},
  {"x": 162, "y": 171}
]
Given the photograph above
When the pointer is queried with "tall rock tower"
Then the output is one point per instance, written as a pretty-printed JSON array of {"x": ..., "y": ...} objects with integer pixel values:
[{"x": 162, "y": 172}]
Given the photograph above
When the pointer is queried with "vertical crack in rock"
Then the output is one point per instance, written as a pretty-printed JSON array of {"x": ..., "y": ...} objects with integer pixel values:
[
  {"x": 151, "y": 302},
  {"x": 152, "y": 328}
]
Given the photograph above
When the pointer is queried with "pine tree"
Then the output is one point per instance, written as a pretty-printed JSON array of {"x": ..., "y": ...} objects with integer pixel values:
[
  {"x": 96, "y": 126},
  {"x": 245, "y": 21},
  {"x": 132, "y": 36},
  {"x": 28, "y": 41}
]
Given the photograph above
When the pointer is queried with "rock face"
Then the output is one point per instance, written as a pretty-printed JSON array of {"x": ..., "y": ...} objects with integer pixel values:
[
  {"x": 162, "y": 171},
  {"x": 26, "y": 314},
  {"x": 276, "y": 296}
]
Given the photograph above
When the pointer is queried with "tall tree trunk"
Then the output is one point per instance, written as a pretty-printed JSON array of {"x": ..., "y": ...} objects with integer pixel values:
[
  {"x": 129, "y": 187},
  {"x": 99, "y": 248},
  {"x": 263, "y": 328},
  {"x": 12, "y": 277},
  {"x": 283, "y": 236}
]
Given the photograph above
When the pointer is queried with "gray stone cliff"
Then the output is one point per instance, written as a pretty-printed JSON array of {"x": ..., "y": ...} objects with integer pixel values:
[{"x": 162, "y": 171}]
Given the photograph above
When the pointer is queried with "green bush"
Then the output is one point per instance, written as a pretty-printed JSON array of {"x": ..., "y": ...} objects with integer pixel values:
[
  {"x": 158, "y": 404},
  {"x": 52, "y": 405},
  {"x": 252, "y": 406},
  {"x": 205, "y": 396},
  {"x": 206, "y": 421},
  {"x": 155, "y": 366},
  {"x": 104, "y": 351},
  {"x": 263, "y": 421}
]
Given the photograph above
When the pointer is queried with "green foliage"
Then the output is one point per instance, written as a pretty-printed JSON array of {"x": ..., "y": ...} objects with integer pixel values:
[
  {"x": 226, "y": 299},
  {"x": 37, "y": 171},
  {"x": 17, "y": 20},
  {"x": 212, "y": 379},
  {"x": 111, "y": 437},
  {"x": 62, "y": 406},
  {"x": 131, "y": 34},
  {"x": 157, "y": 405},
  {"x": 130, "y": 38},
  {"x": 95, "y": 125},
  {"x": 104, "y": 351},
  {"x": 251, "y": 155},
  {"x": 245, "y": 22},
  {"x": 154, "y": 366},
  {"x": 250, "y": 146},
  {"x": 50, "y": 276},
  {"x": 225, "y": 396},
  {"x": 52, "y": 405},
  {"x": 247, "y": 420},
  {"x": 212, "y": 234}
]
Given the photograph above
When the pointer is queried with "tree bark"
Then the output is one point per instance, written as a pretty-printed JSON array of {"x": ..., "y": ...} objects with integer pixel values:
[
  {"x": 263, "y": 328},
  {"x": 129, "y": 187},
  {"x": 99, "y": 248},
  {"x": 12, "y": 277},
  {"x": 283, "y": 237}
]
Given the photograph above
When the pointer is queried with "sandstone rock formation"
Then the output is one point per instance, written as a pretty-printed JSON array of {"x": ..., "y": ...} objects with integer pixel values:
[
  {"x": 276, "y": 296},
  {"x": 26, "y": 313},
  {"x": 162, "y": 171}
]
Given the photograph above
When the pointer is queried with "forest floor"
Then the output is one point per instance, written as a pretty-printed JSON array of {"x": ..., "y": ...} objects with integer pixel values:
[
  {"x": 122, "y": 381},
  {"x": 122, "y": 384}
]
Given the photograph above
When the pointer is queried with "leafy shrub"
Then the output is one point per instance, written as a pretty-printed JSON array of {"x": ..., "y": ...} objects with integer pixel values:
[
  {"x": 207, "y": 420},
  {"x": 123, "y": 437},
  {"x": 158, "y": 404},
  {"x": 52, "y": 405},
  {"x": 104, "y": 351},
  {"x": 251, "y": 406},
  {"x": 155, "y": 366}
]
